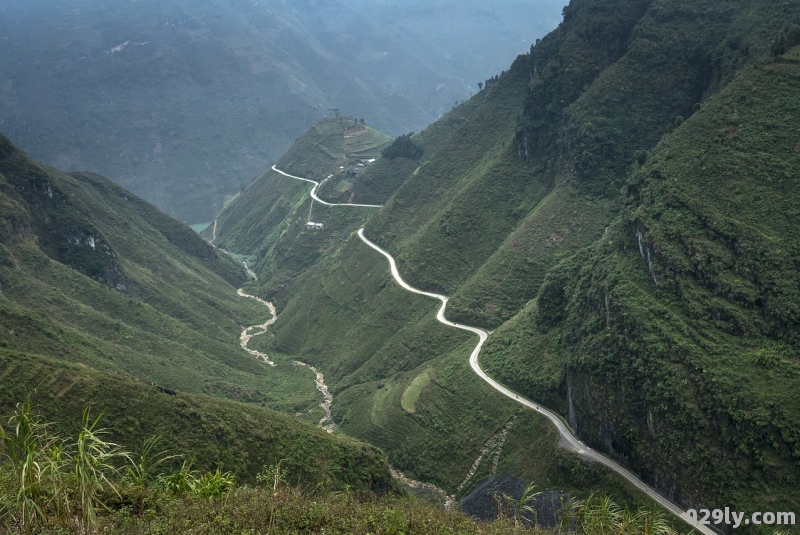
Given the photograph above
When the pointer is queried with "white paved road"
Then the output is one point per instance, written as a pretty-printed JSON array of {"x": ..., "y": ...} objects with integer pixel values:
[
  {"x": 314, "y": 192},
  {"x": 567, "y": 439}
]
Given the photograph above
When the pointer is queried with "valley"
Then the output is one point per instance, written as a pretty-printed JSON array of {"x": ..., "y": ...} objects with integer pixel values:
[
  {"x": 327, "y": 398},
  {"x": 523, "y": 206},
  {"x": 574, "y": 293},
  {"x": 184, "y": 102},
  {"x": 567, "y": 438}
]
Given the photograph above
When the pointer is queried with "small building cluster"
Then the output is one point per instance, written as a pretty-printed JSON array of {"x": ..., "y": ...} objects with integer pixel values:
[{"x": 315, "y": 226}]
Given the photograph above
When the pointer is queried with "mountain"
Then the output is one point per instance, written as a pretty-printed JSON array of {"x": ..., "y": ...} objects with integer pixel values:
[
  {"x": 345, "y": 316},
  {"x": 106, "y": 302},
  {"x": 275, "y": 240},
  {"x": 184, "y": 102},
  {"x": 680, "y": 326},
  {"x": 618, "y": 208}
]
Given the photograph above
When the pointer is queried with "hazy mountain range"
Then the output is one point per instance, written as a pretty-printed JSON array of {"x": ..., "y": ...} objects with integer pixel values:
[{"x": 184, "y": 102}]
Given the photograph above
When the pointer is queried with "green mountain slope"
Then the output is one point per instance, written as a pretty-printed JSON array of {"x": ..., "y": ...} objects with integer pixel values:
[
  {"x": 98, "y": 276},
  {"x": 528, "y": 211},
  {"x": 237, "y": 437},
  {"x": 341, "y": 154},
  {"x": 107, "y": 302},
  {"x": 275, "y": 240},
  {"x": 327, "y": 317},
  {"x": 676, "y": 334}
]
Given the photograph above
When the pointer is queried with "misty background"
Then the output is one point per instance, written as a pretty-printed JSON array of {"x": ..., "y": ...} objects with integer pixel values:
[{"x": 185, "y": 101}]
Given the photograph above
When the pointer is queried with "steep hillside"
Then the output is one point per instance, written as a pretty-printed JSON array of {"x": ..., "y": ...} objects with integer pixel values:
[
  {"x": 106, "y": 302},
  {"x": 237, "y": 437},
  {"x": 92, "y": 274},
  {"x": 675, "y": 335},
  {"x": 275, "y": 240},
  {"x": 516, "y": 213},
  {"x": 341, "y": 154},
  {"x": 330, "y": 144}
]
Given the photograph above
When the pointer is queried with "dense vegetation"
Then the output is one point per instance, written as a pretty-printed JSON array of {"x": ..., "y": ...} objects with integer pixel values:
[
  {"x": 402, "y": 147},
  {"x": 688, "y": 305},
  {"x": 87, "y": 484},
  {"x": 618, "y": 206}
]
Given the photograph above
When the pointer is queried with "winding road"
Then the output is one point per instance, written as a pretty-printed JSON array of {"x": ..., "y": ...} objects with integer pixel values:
[
  {"x": 567, "y": 439},
  {"x": 246, "y": 334},
  {"x": 314, "y": 192}
]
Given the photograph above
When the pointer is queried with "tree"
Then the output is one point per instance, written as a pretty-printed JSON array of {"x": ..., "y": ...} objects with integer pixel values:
[{"x": 402, "y": 147}]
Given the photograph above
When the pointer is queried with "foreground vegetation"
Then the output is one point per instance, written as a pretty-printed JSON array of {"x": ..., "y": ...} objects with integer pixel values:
[
  {"x": 234, "y": 436},
  {"x": 87, "y": 484}
]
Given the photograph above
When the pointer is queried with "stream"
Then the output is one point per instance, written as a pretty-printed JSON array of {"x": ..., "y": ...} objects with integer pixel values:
[{"x": 326, "y": 422}]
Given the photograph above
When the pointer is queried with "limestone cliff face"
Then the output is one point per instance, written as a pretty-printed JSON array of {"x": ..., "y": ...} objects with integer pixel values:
[
  {"x": 600, "y": 419},
  {"x": 41, "y": 207},
  {"x": 680, "y": 326}
]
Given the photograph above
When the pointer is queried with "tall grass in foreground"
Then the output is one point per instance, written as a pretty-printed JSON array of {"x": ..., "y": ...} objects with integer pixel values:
[
  {"x": 599, "y": 515},
  {"x": 52, "y": 485},
  {"x": 47, "y": 481}
]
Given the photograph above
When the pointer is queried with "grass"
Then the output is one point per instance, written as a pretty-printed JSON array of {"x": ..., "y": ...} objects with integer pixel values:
[
  {"x": 49, "y": 483},
  {"x": 412, "y": 393},
  {"x": 290, "y": 511},
  {"x": 236, "y": 437},
  {"x": 566, "y": 220},
  {"x": 366, "y": 144}
]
